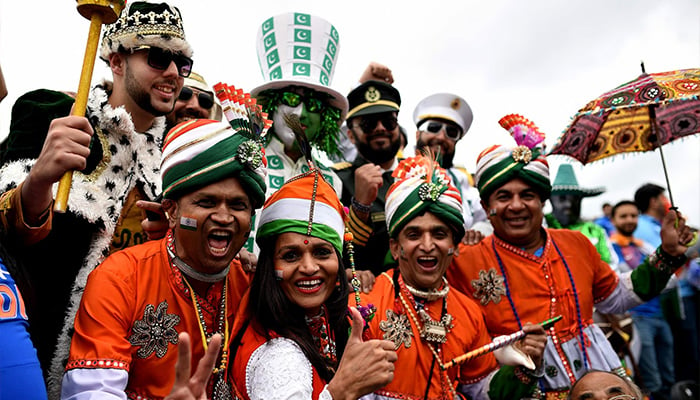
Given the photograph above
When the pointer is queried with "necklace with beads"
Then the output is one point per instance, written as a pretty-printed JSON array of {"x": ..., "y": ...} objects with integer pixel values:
[
  {"x": 222, "y": 389},
  {"x": 445, "y": 324},
  {"x": 553, "y": 335},
  {"x": 323, "y": 335},
  {"x": 432, "y": 294}
]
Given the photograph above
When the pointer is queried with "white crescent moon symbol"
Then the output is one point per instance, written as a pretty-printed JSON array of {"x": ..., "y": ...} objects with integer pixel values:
[{"x": 300, "y": 53}]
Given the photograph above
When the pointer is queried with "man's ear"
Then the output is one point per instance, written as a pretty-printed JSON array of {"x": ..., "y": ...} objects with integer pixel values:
[
  {"x": 117, "y": 63},
  {"x": 170, "y": 208},
  {"x": 394, "y": 248},
  {"x": 484, "y": 206},
  {"x": 351, "y": 134}
]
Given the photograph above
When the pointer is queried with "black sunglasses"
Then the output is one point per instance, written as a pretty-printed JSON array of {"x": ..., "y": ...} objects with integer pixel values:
[
  {"x": 451, "y": 131},
  {"x": 161, "y": 59},
  {"x": 368, "y": 122},
  {"x": 206, "y": 100}
]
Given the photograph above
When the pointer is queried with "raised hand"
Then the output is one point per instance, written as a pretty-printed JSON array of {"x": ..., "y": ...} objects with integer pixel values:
[
  {"x": 377, "y": 72},
  {"x": 66, "y": 148},
  {"x": 365, "y": 366},
  {"x": 675, "y": 234},
  {"x": 156, "y": 224},
  {"x": 368, "y": 180},
  {"x": 193, "y": 387}
]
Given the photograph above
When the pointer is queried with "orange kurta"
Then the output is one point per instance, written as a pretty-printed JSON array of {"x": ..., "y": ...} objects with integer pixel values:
[
  {"x": 539, "y": 286},
  {"x": 415, "y": 360},
  {"x": 137, "y": 291}
]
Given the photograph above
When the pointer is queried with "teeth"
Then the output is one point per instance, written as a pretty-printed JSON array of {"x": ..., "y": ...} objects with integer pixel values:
[
  {"x": 311, "y": 283},
  {"x": 166, "y": 89}
]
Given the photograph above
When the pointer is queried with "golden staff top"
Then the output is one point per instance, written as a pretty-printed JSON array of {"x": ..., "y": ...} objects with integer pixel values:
[
  {"x": 98, "y": 12},
  {"x": 499, "y": 342}
]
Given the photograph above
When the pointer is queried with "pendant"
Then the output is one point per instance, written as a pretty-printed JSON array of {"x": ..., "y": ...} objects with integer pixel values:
[
  {"x": 222, "y": 389},
  {"x": 435, "y": 331}
]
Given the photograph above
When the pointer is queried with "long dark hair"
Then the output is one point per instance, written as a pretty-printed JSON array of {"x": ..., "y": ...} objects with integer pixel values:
[{"x": 273, "y": 311}]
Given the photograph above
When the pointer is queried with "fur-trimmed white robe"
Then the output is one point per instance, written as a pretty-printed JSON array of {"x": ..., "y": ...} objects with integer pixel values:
[{"x": 129, "y": 159}]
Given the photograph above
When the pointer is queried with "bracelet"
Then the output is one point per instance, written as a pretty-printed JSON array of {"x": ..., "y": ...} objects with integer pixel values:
[
  {"x": 665, "y": 262},
  {"x": 524, "y": 375},
  {"x": 363, "y": 208}
]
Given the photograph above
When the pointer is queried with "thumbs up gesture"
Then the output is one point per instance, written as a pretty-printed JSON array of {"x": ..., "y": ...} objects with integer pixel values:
[{"x": 366, "y": 365}]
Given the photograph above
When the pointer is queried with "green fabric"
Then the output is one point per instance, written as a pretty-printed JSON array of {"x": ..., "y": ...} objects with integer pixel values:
[
  {"x": 591, "y": 230},
  {"x": 498, "y": 174},
  {"x": 648, "y": 281},
  {"x": 413, "y": 206},
  {"x": 279, "y": 226},
  {"x": 223, "y": 153},
  {"x": 32, "y": 114},
  {"x": 505, "y": 385}
]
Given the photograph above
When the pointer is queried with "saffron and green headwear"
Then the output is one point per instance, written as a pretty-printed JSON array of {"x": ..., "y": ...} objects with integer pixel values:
[
  {"x": 199, "y": 152},
  {"x": 305, "y": 204},
  {"x": 420, "y": 186},
  {"x": 498, "y": 165}
]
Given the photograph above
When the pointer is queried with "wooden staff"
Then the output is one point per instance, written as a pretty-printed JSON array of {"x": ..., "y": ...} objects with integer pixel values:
[
  {"x": 98, "y": 12},
  {"x": 499, "y": 342}
]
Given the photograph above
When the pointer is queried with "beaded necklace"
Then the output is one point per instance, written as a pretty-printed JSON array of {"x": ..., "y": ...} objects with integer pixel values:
[
  {"x": 323, "y": 335},
  {"x": 222, "y": 389},
  {"x": 579, "y": 321},
  {"x": 432, "y": 294},
  {"x": 436, "y": 351}
]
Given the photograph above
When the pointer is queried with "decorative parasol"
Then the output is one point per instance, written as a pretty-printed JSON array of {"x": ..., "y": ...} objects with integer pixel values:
[{"x": 640, "y": 115}]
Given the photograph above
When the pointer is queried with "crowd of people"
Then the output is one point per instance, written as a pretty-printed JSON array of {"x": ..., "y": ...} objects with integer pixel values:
[{"x": 211, "y": 250}]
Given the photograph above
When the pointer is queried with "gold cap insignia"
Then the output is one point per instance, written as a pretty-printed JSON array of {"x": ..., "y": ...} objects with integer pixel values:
[
  {"x": 372, "y": 94},
  {"x": 455, "y": 104}
]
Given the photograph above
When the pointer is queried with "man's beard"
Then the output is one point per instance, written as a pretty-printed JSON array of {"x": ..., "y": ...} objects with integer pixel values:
[
  {"x": 141, "y": 97},
  {"x": 445, "y": 159},
  {"x": 379, "y": 156}
]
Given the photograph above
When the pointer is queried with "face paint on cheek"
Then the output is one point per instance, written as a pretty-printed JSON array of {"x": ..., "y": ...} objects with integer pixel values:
[
  {"x": 450, "y": 251},
  {"x": 279, "y": 274},
  {"x": 188, "y": 223}
]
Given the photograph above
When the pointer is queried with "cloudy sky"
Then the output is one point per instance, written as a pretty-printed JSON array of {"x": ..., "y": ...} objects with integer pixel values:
[{"x": 542, "y": 59}]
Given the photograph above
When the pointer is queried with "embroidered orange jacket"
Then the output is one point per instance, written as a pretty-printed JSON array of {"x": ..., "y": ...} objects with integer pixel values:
[{"x": 133, "y": 308}]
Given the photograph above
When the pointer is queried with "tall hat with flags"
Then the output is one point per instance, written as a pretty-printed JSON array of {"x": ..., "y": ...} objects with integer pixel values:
[
  {"x": 498, "y": 164},
  {"x": 298, "y": 49},
  {"x": 420, "y": 186},
  {"x": 146, "y": 24},
  {"x": 199, "y": 152}
]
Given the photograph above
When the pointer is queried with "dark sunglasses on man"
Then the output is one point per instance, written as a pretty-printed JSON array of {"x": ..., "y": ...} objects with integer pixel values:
[
  {"x": 452, "y": 131},
  {"x": 205, "y": 99},
  {"x": 161, "y": 59},
  {"x": 368, "y": 122}
]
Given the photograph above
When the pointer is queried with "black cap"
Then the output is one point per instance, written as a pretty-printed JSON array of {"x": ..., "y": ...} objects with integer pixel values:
[{"x": 373, "y": 97}]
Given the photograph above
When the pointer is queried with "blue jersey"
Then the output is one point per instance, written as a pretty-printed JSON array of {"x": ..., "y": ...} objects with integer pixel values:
[{"x": 20, "y": 373}]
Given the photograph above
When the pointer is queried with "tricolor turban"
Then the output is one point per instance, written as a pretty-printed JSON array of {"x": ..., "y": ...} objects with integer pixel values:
[
  {"x": 305, "y": 204},
  {"x": 498, "y": 165},
  {"x": 420, "y": 186},
  {"x": 199, "y": 152}
]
